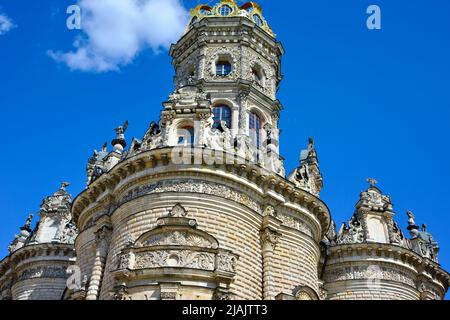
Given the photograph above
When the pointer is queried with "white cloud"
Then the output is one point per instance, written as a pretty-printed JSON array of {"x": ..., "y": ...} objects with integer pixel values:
[
  {"x": 116, "y": 31},
  {"x": 5, "y": 24}
]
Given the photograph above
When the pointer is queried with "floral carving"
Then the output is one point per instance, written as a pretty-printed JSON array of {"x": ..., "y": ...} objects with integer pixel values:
[
  {"x": 178, "y": 238},
  {"x": 193, "y": 186},
  {"x": 175, "y": 258},
  {"x": 366, "y": 272}
]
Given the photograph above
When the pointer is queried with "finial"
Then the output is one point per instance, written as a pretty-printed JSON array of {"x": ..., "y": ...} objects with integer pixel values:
[
  {"x": 105, "y": 147},
  {"x": 372, "y": 182},
  {"x": 28, "y": 222},
  {"x": 310, "y": 143},
  {"x": 411, "y": 222},
  {"x": 121, "y": 130},
  {"x": 119, "y": 143},
  {"x": 64, "y": 185}
]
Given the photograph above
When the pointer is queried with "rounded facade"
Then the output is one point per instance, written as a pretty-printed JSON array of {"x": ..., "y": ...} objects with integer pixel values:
[{"x": 230, "y": 207}]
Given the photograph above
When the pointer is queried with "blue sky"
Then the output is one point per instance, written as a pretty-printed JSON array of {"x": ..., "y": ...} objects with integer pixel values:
[{"x": 376, "y": 102}]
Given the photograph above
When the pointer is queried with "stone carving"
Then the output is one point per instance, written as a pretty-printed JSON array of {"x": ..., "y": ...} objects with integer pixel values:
[
  {"x": 96, "y": 165},
  {"x": 125, "y": 260},
  {"x": 119, "y": 143},
  {"x": 179, "y": 238},
  {"x": 307, "y": 176},
  {"x": 186, "y": 97},
  {"x": 178, "y": 211},
  {"x": 221, "y": 294},
  {"x": 68, "y": 234},
  {"x": 353, "y": 233},
  {"x": 24, "y": 236},
  {"x": 269, "y": 211},
  {"x": 254, "y": 62},
  {"x": 217, "y": 139},
  {"x": 192, "y": 186},
  {"x": 187, "y": 72},
  {"x": 153, "y": 138},
  {"x": 58, "y": 204},
  {"x": 168, "y": 295},
  {"x": 214, "y": 54},
  {"x": 295, "y": 223},
  {"x": 269, "y": 239},
  {"x": 226, "y": 262},
  {"x": 175, "y": 258},
  {"x": 53, "y": 272},
  {"x": 368, "y": 272}
]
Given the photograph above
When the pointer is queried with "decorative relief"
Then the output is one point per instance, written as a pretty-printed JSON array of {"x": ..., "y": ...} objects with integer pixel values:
[
  {"x": 226, "y": 262},
  {"x": 214, "y": 54},
  {"x": 193, "y": 186},
  {"x": 295, "y": 223},
  {"x": 53, "y": 272},
  {"x": 187, "y": 72},
  {"x": 269, "y": 239},
  {"x": 351, "y": 233},
  {"x": 254, "y": 61},
  {"x": 175, "y": 258},
  {"x": 180, "y": 238},
  {"x": 366, "y": 272}
]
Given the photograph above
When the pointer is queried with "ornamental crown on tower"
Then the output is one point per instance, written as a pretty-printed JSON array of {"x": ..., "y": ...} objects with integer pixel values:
[{"x": 230, "y": 8}]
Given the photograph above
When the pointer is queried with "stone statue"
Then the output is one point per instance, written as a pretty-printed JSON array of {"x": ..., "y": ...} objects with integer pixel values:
[
  {"x": 411, "y": 222},
  {"x": 120, "y": 131},
  {"x": 27, "y": 225}
]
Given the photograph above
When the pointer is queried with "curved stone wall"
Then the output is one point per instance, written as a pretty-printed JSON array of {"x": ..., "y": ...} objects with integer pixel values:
[
  {"x": 373, "y": 271},
  {"x": 228, "y": 206},
  {"x": 41, "y": 271}
]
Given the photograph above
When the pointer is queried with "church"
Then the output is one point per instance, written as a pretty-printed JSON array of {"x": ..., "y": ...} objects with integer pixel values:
[{"x": 201, "y": 207}]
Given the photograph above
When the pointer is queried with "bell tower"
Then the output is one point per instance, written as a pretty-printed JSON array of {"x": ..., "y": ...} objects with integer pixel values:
[{"x": 228, "y": 69}]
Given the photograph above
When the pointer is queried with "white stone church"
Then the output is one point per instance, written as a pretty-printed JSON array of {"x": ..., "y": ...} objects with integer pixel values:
[{"x": 201, "y": 207}]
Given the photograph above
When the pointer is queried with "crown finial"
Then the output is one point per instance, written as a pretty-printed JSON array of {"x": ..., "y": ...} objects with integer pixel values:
[{"x": 372, "y": 182}]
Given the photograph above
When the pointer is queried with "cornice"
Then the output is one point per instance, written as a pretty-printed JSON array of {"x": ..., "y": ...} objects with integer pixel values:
[
  {"x": 105, "y": 187},
  {"x": 42, "y": 249},
  {"x": 341, "y": 254},
  {"x": 200, "y": 35}
]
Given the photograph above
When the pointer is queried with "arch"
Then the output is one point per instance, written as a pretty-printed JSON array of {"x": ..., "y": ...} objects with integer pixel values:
[
  {"x": 182, "y": 133},
  {"x": 305, "y": 293}
]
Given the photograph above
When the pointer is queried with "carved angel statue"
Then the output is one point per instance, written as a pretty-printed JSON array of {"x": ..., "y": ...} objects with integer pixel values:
[
  {"x": 312, "y": 151},
  {"x": 411, "y": 221},
  {"x": 28, "y": 222},
  {"x": 120, "y": 131}
]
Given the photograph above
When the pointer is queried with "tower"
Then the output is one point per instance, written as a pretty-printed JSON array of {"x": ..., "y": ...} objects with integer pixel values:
[
  {"x": 370, "y": 258},
  {"x": 200, "y": 208},
  {"x": 36, "y": 268}
]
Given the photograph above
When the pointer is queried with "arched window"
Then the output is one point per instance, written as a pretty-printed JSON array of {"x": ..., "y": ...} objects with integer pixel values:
[
  {"x": 255, "y": 129},
  {"x": 223, "y": 68},
  {"x": 257, "y": 20},
  {"x": 225, "y": 10},
  {"x": 222, "y": 113},
  {"x": 186, "y": 136}
]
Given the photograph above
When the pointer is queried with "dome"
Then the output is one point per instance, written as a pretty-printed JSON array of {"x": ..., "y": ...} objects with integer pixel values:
[{"x": 229, "y": 8}]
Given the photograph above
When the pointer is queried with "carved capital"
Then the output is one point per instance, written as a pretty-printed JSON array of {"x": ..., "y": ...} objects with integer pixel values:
[{"x": 269, "y": 239}]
